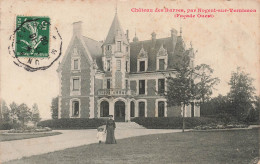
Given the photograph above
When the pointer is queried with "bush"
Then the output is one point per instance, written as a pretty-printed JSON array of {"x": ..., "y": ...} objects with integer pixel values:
[
  {"x": 173, "y": 122},
  {"x": 6, "y": 126},
  {"x": 73, "y": 123}
]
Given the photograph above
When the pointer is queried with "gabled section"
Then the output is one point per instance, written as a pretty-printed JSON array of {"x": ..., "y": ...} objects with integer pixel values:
[
  {"x": 162, "y": 51},
  {"x": 142, "y": 54},
  {"x": 92, "y": 49}
]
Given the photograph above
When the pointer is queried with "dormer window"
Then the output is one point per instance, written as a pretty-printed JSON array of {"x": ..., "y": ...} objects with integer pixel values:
[
  {"x": 162, "y": 58},
  {"x": 142, "y": 61},
  {"x": 161, "y": 64},
  {"x": 119, "y": 46},
  {"x": 142, "y": 66}
]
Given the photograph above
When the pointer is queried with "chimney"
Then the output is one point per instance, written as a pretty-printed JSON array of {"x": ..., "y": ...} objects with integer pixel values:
[
  {"x": 127, "y": 35},
  {"x": 173, "y": 32},
  {"x": 153, "y": 39},
  {"x": 153, "y": 36},
  {"x": 77, "y": 28}
]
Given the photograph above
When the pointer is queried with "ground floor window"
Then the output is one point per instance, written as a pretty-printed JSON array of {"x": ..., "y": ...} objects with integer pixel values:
[
  {"x": 192, "y": 109},
  {"x": 160, "y": 109},
  {"x": 75, "y": 108},
  {"x": 132, "y": 112},
  {"x": 104, "y": 109},
  {"x": 141, "y": 109}
]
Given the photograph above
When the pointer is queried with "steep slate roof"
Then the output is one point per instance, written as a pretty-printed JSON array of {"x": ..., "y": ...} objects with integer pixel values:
[
  {"x": 95, "y": 50},
  {"x": 115, "y": 30},
  {"x": 174, "y": 45}
]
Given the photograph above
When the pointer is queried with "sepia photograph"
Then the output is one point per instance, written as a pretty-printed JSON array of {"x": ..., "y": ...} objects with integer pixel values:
[{"x": 129, "y": 82}]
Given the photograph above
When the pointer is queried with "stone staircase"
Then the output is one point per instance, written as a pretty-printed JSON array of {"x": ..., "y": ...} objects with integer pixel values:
[{"x": 128, "y": 125}]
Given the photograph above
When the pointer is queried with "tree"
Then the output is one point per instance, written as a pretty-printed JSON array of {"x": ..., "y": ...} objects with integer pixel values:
[
  {"x": 35, "y": 113},
  {"x": 5, "y": 112},
  {"x": 241, "y": 93},
  {"x": 54, "y": 107},
  {"x": 14, "y": 110},
  {"x": 206, "y": 82},
  {"x": 24, "y": 114},
  {"x": 189, "y": 84}
]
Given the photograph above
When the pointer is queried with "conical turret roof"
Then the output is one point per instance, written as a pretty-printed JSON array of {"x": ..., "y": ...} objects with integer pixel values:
[{"x": 115, "y": 31}]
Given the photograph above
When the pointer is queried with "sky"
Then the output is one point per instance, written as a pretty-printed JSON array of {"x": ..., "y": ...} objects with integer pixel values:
[{"x": 226, "y": 41}]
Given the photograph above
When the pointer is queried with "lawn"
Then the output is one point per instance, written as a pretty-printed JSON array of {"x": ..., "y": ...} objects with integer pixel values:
[
  {"x": 18, "y": 136},
  {"x": 231, "y": 146}
]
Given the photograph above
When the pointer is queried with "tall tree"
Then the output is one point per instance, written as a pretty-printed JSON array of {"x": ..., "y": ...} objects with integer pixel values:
[
  {"x": 189, "y": 84},
  {"x": 5, "y": 112},
  {"x": 241, "y": 93},
  {"x": 14, "y": 110},
  {"x": 54, "y": 107},
  {"x": 24, "y": 114},
  {"x": 206, "y": 82},
  {"x": 35, "y": 113}
]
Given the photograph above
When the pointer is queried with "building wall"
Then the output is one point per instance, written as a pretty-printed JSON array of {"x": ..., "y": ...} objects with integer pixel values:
[{"x": 85, "y": 81}]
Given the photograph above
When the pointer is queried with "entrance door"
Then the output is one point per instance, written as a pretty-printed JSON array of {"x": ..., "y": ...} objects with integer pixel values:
[{"x": 119, "y": 111}]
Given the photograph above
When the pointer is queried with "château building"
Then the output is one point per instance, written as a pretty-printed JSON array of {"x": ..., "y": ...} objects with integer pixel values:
[{"x": 118, "y": 77}]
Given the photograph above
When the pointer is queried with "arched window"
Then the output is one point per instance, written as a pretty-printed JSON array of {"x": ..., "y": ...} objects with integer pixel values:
[
  {"x": 104, "y": 109},
  {"x": 160, "y": 109},
  {"x": 141, "y": 109},
  {"x": 132, "y": 112}
]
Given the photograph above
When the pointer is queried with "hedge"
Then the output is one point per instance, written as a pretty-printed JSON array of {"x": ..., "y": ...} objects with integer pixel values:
[
  {"x": 73, "y": 123},
  {"x": 173, "y": 122}
]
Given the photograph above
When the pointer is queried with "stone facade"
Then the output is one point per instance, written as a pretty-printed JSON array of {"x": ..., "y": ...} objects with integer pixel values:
[{"x": 119, "y": 78}]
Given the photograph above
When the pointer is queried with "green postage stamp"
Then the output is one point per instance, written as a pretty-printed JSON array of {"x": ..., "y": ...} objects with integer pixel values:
[
  {"x": 32, "y": 36},
  {"x": 35, "y": 44}
]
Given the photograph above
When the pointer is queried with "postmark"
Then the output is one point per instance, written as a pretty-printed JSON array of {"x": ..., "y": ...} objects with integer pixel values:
[{"x": 35, "y": 44}]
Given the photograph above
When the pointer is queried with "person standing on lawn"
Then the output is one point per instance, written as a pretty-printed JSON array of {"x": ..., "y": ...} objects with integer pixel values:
[{"x": 110, "y": 129}]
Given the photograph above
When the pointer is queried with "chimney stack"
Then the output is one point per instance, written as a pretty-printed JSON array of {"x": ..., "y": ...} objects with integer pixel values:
[
  {"x": 173, "y": 32},
  {"x": 127, "y": 35},
  {"x": 77, "y": 28}
]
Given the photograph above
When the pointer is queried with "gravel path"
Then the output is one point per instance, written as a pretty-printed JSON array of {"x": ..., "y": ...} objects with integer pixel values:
[{"x": 10, "y": 150}]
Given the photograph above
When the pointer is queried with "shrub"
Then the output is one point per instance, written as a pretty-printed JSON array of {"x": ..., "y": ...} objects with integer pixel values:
[
  {"x": 173, "y": 122},
  {"x": 73, "y": 123},
  {"x": 6, "y": 126}
]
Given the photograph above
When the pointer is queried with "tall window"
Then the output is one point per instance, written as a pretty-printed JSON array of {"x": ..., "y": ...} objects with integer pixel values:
[
  {"x": 104, "y": 109},
  {"x": 141, "y": 86},
  {"x": 108, "y": 65},
  {"x": 108, "y": 83},
  {"x": 119, "y": 46},
  {"x": 142, "y": 66},
  {"x": 160, "y": 109},
  {"x": 192, "y": 109},
  {"x": 76, "y": 84},
  {"x": 161, "y": 86},
  {"x": 126, "y": 66},
  {"x": 141, "y": 109},
  {"x": 126, "y": 49},
  {"x": 132, "y": 112},
  {"x": 76, "y": 64},
  {"x": 126, "y": 84},
  {"x": 75, "y": 108},
  {"x": 109, "y": 48},
  {"x": 118, "y": 65},
  {"x": 161, "y": 64}
]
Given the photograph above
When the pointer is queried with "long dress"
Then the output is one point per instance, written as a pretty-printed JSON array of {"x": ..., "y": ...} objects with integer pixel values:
[{"x": 110, "y": 127}]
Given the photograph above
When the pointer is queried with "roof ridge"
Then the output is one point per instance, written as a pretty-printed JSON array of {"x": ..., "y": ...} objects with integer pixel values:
[
  {"x": 91, "y": 39},
  {"x": 149, "y": 40}
]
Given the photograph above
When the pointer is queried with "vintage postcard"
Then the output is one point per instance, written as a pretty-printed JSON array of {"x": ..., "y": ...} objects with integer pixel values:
[{"x": 129, "y": 81}]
